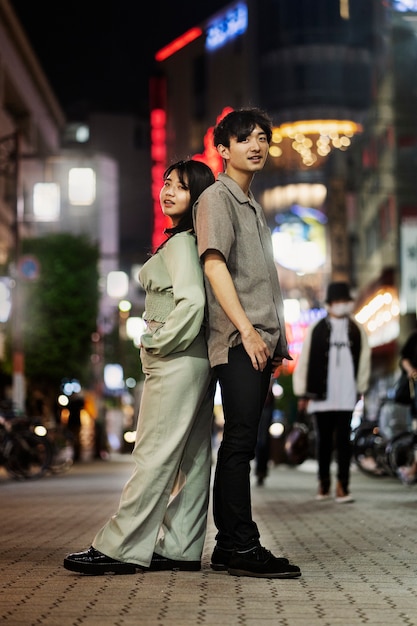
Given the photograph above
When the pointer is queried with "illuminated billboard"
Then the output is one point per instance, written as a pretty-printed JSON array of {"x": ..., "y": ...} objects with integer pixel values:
[
  {"x": 226, "y": 27},
  {"x": 299, "y": 240}
]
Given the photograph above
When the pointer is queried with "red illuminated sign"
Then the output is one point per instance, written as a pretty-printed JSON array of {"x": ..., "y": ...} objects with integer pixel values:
[
  {"x": 178, "y": 43},
  {"x": 158, "y": 156},
  {"x": 210, "y": 156}
]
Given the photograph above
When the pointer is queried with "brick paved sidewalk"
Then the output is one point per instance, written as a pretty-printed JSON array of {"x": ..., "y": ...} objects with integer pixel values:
[{"x": 358, "y": 560}]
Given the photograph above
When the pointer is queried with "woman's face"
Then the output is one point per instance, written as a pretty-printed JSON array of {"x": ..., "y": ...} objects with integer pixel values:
[{"x": 174, "y": 198}]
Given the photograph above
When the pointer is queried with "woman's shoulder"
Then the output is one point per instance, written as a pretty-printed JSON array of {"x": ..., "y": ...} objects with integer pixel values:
[
  {"x": 180, "y": 242},
  {"x": 181, "y": 237}
]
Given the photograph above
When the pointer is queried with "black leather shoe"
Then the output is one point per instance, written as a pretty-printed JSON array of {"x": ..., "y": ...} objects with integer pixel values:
[
  {"x": 261, "y": 563},
  {"x": 162, "y": 563},
  {"x": 95, "y": 563},
  {"x": 220, "y": 559}
]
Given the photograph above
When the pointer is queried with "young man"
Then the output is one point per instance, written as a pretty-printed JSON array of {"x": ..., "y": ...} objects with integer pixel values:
[{"x": 246, "y": 333}]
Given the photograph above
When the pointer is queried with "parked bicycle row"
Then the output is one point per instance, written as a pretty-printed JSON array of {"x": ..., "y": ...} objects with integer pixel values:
[
  {"x": 384, "y": 446},
  {"x": 30, "y": 450},
  {"x": 387, "y": 446}
]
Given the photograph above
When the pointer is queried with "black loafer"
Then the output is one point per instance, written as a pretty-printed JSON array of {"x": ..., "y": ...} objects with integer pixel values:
[
  {"x": 95, "y": 563},
  {"x": 162, "y": 563}
]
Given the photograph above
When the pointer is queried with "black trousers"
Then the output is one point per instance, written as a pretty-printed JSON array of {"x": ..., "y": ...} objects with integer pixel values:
[
  {"x": 263, "y": 444},
  {"x": 333, "y": 433},
  {"x": 244, "y": 392}
]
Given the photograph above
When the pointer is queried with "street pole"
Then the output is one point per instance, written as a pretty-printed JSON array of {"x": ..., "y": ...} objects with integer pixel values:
[
  {"x": 9, "y": 167},
  {"x": 19, "y": 391}
]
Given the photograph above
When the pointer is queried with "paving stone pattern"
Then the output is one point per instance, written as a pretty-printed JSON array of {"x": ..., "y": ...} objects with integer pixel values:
[{"x": 358, "y": 560}]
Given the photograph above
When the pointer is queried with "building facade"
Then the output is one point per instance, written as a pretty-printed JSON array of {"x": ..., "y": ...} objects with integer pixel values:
[
  {"x": 334, "y": 188},
  {"x": 48, "y": 184}
]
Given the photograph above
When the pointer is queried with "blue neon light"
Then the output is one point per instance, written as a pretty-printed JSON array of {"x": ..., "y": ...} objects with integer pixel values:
[
  {"x": 404, "y": 5},
  {"x": 227, "y": 27}
]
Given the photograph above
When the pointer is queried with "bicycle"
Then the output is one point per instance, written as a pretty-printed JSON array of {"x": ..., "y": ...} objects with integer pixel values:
[
  {"x": 24, "y": 454},
  {"x": 61, "y": 441},
  {"x": 402, "y": 453},
  {"x": 383, "y": 446}
]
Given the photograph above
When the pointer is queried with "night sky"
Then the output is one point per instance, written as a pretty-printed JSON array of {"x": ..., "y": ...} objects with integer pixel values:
[{"x": 98, "y": 55}]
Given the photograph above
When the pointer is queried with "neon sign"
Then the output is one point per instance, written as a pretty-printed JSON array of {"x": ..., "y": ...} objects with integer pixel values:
[
  {"x": 404, "y": 5},
  {"x": 178, "y": 43},
  {"x": 210, "y": 156},
  {"x": 158, "y": 154},
  {"x": 299, "y": 241},
  {"x": 296, "y": 331},
  {"x": 230, "y": 25}
]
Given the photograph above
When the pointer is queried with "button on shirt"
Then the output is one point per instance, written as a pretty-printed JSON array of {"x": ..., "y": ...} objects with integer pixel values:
[{"x": 232, "y": 223}]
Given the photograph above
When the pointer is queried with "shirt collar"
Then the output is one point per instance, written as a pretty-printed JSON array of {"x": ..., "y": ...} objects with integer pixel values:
[{"x": 235, "y": 190}]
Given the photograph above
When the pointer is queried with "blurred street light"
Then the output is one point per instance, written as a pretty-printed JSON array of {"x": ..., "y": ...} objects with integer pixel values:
[
  {"x": 135, "y": 326},
  {"x": 117, "y": 284}
]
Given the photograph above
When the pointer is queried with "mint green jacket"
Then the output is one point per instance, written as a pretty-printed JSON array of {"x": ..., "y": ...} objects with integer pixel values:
[{"x": 175, "y": 299}]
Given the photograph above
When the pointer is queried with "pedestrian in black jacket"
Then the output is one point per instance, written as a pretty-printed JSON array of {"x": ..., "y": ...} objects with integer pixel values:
[{"x": 331, "y": 374}]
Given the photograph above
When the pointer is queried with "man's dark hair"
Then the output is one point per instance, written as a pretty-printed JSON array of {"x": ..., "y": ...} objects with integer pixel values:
[{"x": 240, "y": 124}]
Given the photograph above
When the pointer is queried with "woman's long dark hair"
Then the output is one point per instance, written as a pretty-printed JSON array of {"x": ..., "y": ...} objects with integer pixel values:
[{"x": 194, "y": 176}]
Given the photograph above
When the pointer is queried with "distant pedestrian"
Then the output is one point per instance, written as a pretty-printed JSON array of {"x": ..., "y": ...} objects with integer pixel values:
[
  {"x": 408, "y": 363},
  {"x": 332, "y": 373},
  {"x": 76, "y": 405}
]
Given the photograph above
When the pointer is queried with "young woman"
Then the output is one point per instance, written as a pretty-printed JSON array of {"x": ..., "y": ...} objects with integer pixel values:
[{"x": 161, "y": 520}]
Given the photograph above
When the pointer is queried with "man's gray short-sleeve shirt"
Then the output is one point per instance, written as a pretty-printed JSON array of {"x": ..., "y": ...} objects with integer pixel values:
[{"x": 233, "y": 224}]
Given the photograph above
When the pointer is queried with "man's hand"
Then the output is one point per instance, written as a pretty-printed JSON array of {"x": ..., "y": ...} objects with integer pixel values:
[
  {"x": 256, "y": 348},
  {"x": 302, "y": 404}
]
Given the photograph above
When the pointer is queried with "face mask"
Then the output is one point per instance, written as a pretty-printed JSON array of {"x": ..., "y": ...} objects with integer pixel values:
[{"x": 341, "y": 309}]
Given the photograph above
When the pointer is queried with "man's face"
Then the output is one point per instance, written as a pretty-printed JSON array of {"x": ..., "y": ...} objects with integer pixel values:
[
  {"x": 341, "y": 308},
  {"x": 249, "y": 154}
]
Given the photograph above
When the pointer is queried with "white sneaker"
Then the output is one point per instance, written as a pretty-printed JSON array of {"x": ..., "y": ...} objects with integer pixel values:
[
  {"x": 323, "y": 492},
  {"x": 323, "y": 496},
  {"x": 341, "y": 495},
  {"x": 342, "y": 499}
]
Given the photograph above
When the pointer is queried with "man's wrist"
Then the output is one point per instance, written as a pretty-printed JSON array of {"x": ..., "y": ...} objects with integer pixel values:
[{"x": 246, "y": 332}]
